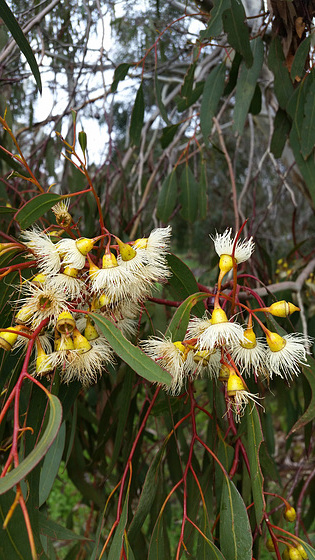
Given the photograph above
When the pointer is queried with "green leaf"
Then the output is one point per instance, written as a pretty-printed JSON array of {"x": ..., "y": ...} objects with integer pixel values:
[
  {"x": 255, "y": 104},
  {"x": 36, "y": 208},
  {"x": 132, "y": 355},
  {"x": 124, "y": 400},
  {"x": 254, "y": 441},
  {"x": 182, "y": 282},
  {"x": 55, "y": 531},
  {"x": 212, "y": 92},
  {"x": 203, "y": 184},
  {"x": 137, "y": 117},
  {"x": 82, "y": 140},
  {"x": 189, "y": 195},
  {"x": 235, "y": 532},
  {"x": 116, "y": 546},
  {"x": 158, "y": 95},
  {"x": 282, "y": 83},
  {"x": 33, "y": 458},
  {"x": 246, "y": 85},
  {"x": 178, "y": 325},
  {"x": 120, "y": 73},
  {"x": 185, "y": 103},
  {"x": 51, "y": 465},
  {"x": 282, "y": 127},
  {"x": 298, "y": 64},
  {"x": 309, "y": 414},
  {"x": 14, "y": 543},
  {"x": 7, "y": 210},
  {"x": 237, "y": 31},
  {"x": 157, "y": 543},
  {"x": 167, "y": 197},
  {"x": 215, "y": 24},
  {"x": 168, "y": 134},
  {"x": 19, "y": 37},
  {"x": 308, "y": 125}
]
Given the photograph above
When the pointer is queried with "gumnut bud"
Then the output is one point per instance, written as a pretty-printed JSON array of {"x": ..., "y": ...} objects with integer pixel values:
[
  {"x": 90, "y": 331},
  {"x": 141, "y": 243},
  {"x": 234, "y": 384},
  {"x": 72, "y": 272},
  {"x": 126, "y": 251},
  {"x": 8, "y": 338},
  {"x": 282, "y": 308},
  {"x": 201, "y": 356},
  {"x": 289, "y": 514},
  {"x": 294, "y": 554},
  {"x": 109, "y": 260},
  {"x": 179, "y": 345},
  {"x": 225, "y": 372},
  {"x": 285, "y": 554},
  {"x": 249, "y": 340},
  {"x": 218, "y": 316},
  {"x": 275, "y": 341},
  {"x": 39, "y": 279},
  {"x": 84, "y": 245},
  {"x": 43, "y": 362},
  {"x": 80, "y": 342},
  {"x": 65, "y": 323},
  {"x": 226, "y": 263},
  {"x": 269, "y": 545},
  {"x": 302, "y": 552}
]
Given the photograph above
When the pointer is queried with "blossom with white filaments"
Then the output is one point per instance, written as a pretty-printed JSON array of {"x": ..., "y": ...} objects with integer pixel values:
[
  {"x": 44, "y": 250},
  {"x": 224, "y": 243}
]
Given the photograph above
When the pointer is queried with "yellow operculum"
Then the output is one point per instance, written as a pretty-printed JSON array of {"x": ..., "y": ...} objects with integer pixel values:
[
  {"x": 275, "y": 341},
  {"x": 64, "y": 343},
  {"x": 141, "y": 243},
  {"x": 43, "y": 363},
  {"x": 218, "y": 316},
  {"x": 84, "y": 245},
  {"x": 226, "y": 263},
  {"x": 202, "y": 356},
  {"x": 90, "y": 331},
  {"x": 179, "y": 345},
  {"x": 65, "y": 323},
  {"x": 249, "y": 339},
  {"x": 39, "y": 279},
  {"x": 80, "y": 342},
  {"x": 126, "y": 251},
  {"x": 234, "y": 384},
  {"x": 302, "y": 551},
  {"x": 7, "y": 339},
  {"x": 104, "y": 300},
  {"x": 224, "y": 373},
  {"x": 24, "y": 314},
  {"x": 282, "y": 308},
  {"x": 109, "y": 260},
  {"x": 72, "y": 272}
]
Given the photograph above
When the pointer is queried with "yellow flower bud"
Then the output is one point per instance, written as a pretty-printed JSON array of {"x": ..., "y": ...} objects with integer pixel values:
[
  {"x": 249, "y": 341},
  {"x": 104, "y": 301},
  {"x": 285, "y": 554},
  {"x": 141, "y": 243},
  {"x": 72, "y": 272},
  {"x": 65, "y": 323},
  {"x": 24, "y": 314},
  {"x": 234, "y": 384},
  {"x": 275, "y": 341},
  {"x": 39, "y": 279},
  {"x": 126, "y": 251},
  {"x": 224, "y": 373},
  {"x": 269, "y": 545},
  {"x": 8, "y": 339},
  {"x": 289, "y": 514},
  {"x": 282, "y": 308},
  {"x": 225, "y": 263},
  {"x": 218, "y": 316},
  {"x": 64, "y": 343},
  {"x": 84, "y": 245},
  {"x": 80, "y": 342},
  {"x": 302, "y": 552},
  {"x": 90, "y": 331},
  {"x": 294, "y": 554},
  {"x": 179, "y": 345},
  {"x": 43, "y": 363},
  {"x": 202, "y": 356},
  {"x": 109, "y": 261}
]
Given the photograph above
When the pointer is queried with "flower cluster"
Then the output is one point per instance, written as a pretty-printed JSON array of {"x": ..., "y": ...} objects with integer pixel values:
[
  {"x": 75, "y": 276},
  {"x": 223, "y": 348}
]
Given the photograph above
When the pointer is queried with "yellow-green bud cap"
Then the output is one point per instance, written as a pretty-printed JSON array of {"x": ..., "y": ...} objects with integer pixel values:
[
  {"x": 109, "y": 260},
  {"x": 269, "y": 545},
  {"x": 226, "y": 263},
  {"x": 141, "y": 243},
  {"x": 234, "y": 384},
  {"x": 202, "y": 356},
  {"x": 104, "y": 301},
  {"x": 126, "y": 251},
  {"x": 80, "y": 342},
  {"x": 224, "y": 373},
  {"x": 282, "y": 308},
  {"x": 65, "y": 323},
  {"x": 179, "y": 345},
  {"x": 285, "y": 554},
  {"x": 275, "y": 341},
  {"x": 64, "y": 343},
  {"x": 90, "y": 331},
  {"x": 43, "y": 362},
  {"x": 7, "y": 339},
  {"x": 84, "y": 245},
  {"x": 294, "y": 554},
  {"x": 39, "y": 279},
  {"x": 302, "y": 551},
  {"x": 24, "y": 314},
  {"x": 72, "y": 272},
  {"x": 218, "y": 316},
  {"x": 249, "y": 339},
  {"x": 289, "y": 514}
]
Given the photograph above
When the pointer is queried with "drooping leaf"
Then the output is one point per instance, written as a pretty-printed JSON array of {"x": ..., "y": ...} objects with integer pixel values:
[
  {"x": 255, "y": 104},
  {"x": 36, "y": 208},
  {"x": 9, "y": 19},
  {"x": 203, "y": 185},
  {"x": 167, "y": 197},
  {"x": 182, "y": 282},
  {"x": 132, "y": 355},
  {"x": 51, "y": 465},
  {"x": 215, "y": 24},
  {"x": 14, "y": 542},
  {"x": 308, "y": 125},
  {"x": 246, "y": 84},
  {"x": 309, "y": 414},
  {"x": 55, "y": 531},
  {"x": 120, "y": 73},
  {"x": 116, "y": 546},
  {"x": 82, "y": 140},
  {"x": 168, "y": 134},
  {"x": 137, "y": 117},
  {"x": 282, "y": 83},
  {"x": 212, "y": 92},
  {"x": 298, "y": 64},
  {"x": 33, "y": 458},
  {"x": 282, "y": 127},
  {"x": 185, "y": 103},
  {"x": 178, "y": 325},
  {"x": 7, "y": 210},
  {"x": 237, "y": 31},
  {"x": 235, "y": 532},
  {"x": 254, "y": 441},
  {"x": 189, "y": 195}
]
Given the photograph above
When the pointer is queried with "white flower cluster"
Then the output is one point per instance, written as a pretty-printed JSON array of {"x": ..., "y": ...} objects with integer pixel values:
[{"x": 69, "y": 282}]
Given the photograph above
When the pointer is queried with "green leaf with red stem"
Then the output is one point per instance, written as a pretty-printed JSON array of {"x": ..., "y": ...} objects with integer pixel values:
[
  {"x": 253, "y": 443},
  {"x": 178, "y": 325},
  {"x": 34, "y": 457},
  {"x": 132, "y": 355},
  {"x": 237, "y": 31},
  {"x": 36, "y": 208},
  {"x": 182, "y": 282},
  {"x": 116, "y": 546},
  {"x": 51, "y": 465},
  {"x": 309, "y": 414},
  {"x": 235, "y": 532}
]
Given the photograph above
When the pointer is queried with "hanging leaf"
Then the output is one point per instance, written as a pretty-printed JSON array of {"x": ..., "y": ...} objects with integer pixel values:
[
  {"x": 235, "y": 532},
  {"x": 282, "y": 83},
  {"x": 246, "y": 85},
  {"x": 215, "y": 24},
  {"x": 298, "y": 64},
  {"x": 178, "y": 325},
  {"x": 120, "y": 73},
  {"x": 212, "y": 93},
  {"x": 137, "y": 117},
  {"x": 282, "y": 127},
  {"x": 189, "y": 195},
  {"x": 51, "y": 465},
  {"x": 168, "y": 134},
  {"x": 33, "y": 458},
  {"x": 36, "y": 208},
  {"x": 237, "y": 31},
  {"x": 167, "y": 197},
  {"x": 203, "y": 186},
  {"x": 182, "y": 282},
  {"x": 308, "y": 125},
  {"x": 117, "y": 544},
  {"x": 254, "y": 441},
  {"x": 9, "y": 19},
  {"x": 55, "y": 531},
  {"x": 309, "y": 414},
  {"x": 132, "y": 355}
]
